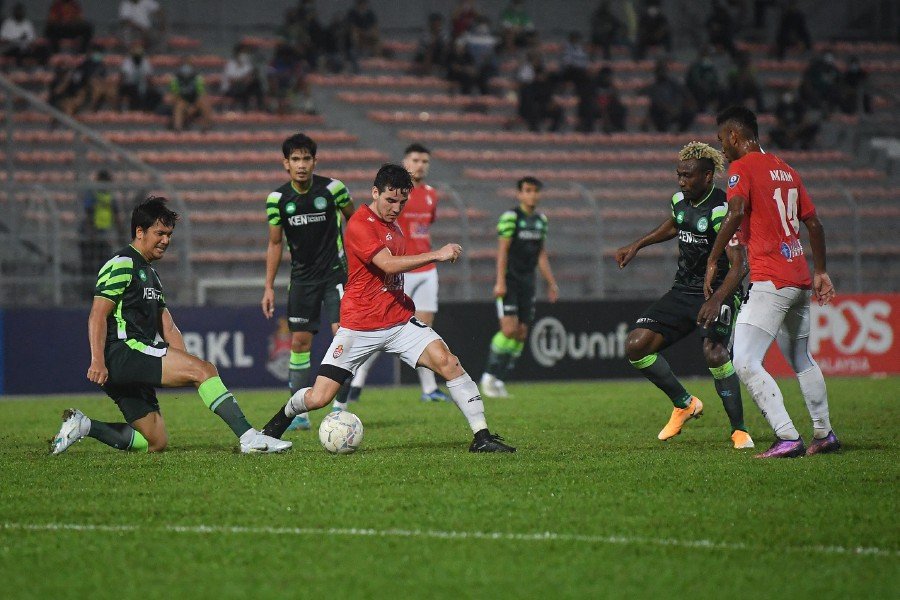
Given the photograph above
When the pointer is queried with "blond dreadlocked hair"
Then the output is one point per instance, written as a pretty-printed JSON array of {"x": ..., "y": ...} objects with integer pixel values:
[{"x": 699, "y": 151}]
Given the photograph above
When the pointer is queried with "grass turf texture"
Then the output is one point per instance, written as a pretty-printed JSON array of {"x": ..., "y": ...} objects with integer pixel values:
[{"x": 632, "y": 516}]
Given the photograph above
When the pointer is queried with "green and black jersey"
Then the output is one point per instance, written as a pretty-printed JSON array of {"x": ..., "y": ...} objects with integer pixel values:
[
  {"x": 312, "y": 223},
  {"x": 128, "y": 280},
  {"x": 527, "y": 234},
  {"x": 697, "y": 228}
]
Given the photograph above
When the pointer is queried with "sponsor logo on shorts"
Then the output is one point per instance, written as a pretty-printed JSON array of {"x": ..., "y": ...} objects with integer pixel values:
[
  {"x": 338, "y": 351},
  {"x": 733, "y": 181},
  {"x": 320, "y": 203},
  {"x": 298, "y": 320},
  {"x": 646, "y": 320}
]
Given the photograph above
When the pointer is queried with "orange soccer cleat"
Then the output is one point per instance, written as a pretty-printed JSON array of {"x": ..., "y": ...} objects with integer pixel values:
[{"x": 679, "y": 417}]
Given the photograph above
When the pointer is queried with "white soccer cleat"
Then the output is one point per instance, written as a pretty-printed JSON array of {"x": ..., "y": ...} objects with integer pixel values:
[
  {"x": 259, "y": 443},
  {"x": 488, "y": 385},
  {"x": 75, "y": 426},
  {"x": 501, "y": 389}
]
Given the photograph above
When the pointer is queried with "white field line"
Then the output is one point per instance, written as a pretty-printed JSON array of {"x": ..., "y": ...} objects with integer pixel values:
[{"x": 451, "y": 535}]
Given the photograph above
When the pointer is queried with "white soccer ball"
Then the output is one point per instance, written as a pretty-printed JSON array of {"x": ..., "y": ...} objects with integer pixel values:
[{"x": 341, "y": 432}]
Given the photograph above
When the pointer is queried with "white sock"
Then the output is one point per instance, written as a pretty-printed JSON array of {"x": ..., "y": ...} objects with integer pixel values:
[
  {"x": 340, "y": 405},
  {"x": 466, "y": 396},
  {"x": 812, "y": 386},
  {"x": 297, "y": 404},
  {"x": 362, "y": 371},
  {"x": 426, "y": 379}
]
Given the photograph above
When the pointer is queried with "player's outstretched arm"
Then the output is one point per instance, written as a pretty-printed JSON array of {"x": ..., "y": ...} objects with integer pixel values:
[
  {"x": 665, "y": 231},
  {"x": 393, "y": 265},
  {"x": 547, "y": 274},
  {"x": 739, "y": 266},
  {"x": 822, "y": 286},
  {"x": 273, "y": 260},
  {"x": 503, "y": 244},
  {"x": 729, "y": 227},
  {"x": 100, "y": 310},
  {"x": 170, "y": 332}
]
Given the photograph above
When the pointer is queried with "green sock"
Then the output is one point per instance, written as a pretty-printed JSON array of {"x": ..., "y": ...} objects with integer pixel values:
[
  {"x": 298, "y": 371},
  {"x": 498, "y": 359},
  {"x": 138, "y": 442},
  {"x": 219, "y": 400},
  {"x": 729, "y": 388},
  {"x": 517, "y": 347},
  {"x": 656, "y": 368},
  {"x": 120, "y": 436}
]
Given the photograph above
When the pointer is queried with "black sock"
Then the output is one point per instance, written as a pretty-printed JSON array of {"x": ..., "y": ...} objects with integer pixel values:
[
  {"x": 656, "y": 368},
  {"x": 278, "y": 424},
  {"x": 729, "y": 388},
  {"x": 117, "y": 435}
]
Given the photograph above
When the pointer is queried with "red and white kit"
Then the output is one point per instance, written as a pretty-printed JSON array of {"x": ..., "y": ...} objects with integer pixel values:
[{"x": 415, "y": 221}]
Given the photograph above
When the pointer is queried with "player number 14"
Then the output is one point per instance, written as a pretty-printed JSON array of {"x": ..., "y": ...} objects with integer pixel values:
[{"x": 789, "y": 220}]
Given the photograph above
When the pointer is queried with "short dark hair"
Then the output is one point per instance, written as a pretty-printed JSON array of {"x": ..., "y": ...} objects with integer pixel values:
[
  {"x": 741, "y": 115},
  {"x": 150, "y": 211},
  {"x": 530, "y": 180},
  {"x": 393, "y": 176},
  {"x": 416, "y": 148},
  {"x": 299, "y": 141}
]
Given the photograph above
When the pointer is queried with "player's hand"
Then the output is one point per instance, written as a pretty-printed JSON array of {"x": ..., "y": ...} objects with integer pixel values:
[
  {"x": 97, "y": 372},
  {"x": 711, "y": 269},
  {"x": 823, "y": 288},
  {"x": 449, "y": 252},
  {"x": 268, "y": 303},
  {"x": 709, "y": 312},
  {"x": 552, "y": 292},
  {"x": 499, "y": 289},
  {"x": 625, "y": 254}
]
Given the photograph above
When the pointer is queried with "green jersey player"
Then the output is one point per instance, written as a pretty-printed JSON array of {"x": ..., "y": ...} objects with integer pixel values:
[
  {"x": 521, "y": 233},
  {"x": 136, "y": 347},
  {"x": 308, "y": 211},
  {"x": 696, "y": 214}
]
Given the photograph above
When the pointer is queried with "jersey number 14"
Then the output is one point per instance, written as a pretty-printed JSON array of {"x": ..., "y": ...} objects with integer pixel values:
[{"x": 789, "y": 220}]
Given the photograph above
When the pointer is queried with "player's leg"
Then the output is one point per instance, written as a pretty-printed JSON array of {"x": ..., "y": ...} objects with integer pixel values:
[
  {"x": 423, "y": 289},
  {"x": 793, "y": 340},
  {"x": 758, "y": 323},
  {"x": 331, "y": 304},
  {"x": 303, "y": 313},
  {"x": 525, "y": 309},
  {"x": 358, "y": 382},
  {"x": 503, "y": 344}
]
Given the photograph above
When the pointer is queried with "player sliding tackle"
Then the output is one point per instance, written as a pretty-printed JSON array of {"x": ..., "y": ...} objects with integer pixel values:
[{"x": 377, "y": 316}]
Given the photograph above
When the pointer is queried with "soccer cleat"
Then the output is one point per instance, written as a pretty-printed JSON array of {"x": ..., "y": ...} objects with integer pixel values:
[
  {"x": 74, "y": 427},
  {"x": 260, "y": 443},
  {"x": 829, "y": 443},
  {"x": 679, "y": 417},
  {"x": 300, "y": 422},
  {"x": 501, "y": 389},
  {"x": 742, "y": 440},
  {"x": 436, "y": 396},
  {"x": 488, "y": 386},
  {"x": 486, "y": 441},
  {"x": 784, "y": 449}
]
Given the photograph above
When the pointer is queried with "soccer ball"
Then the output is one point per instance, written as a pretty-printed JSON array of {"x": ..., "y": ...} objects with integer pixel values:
[{"x": 341, "y": 432}]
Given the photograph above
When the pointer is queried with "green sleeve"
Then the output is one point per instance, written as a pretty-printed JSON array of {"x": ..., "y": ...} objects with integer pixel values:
[
  {"x": 676, "y": 198},
  {"x": 506, "y": 226},
  {"x": 273, "y": 215},
  {"x": 114, "y": 277},
  {"x": 201, "y": 86},
  {"x": 174, "y": 87},
  {"x": 339, "y": 192},
  {"x": 717, "y": 216},
  {"x": 545, "y": 228}
]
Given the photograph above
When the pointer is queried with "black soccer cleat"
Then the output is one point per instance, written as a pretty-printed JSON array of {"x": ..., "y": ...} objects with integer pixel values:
[{"x": 485, "y": 441}]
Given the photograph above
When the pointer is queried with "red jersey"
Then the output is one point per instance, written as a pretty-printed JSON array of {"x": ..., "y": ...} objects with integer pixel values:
[
  {"x": 415, "y": 221},
  {"x": 776, "y": 202},
  {"x": 372, "y": 298}
]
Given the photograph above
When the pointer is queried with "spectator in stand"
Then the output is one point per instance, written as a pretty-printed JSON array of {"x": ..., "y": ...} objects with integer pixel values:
[
  {"x": 86, "y": 86},
  {"x": 461, "y": 68},
  {"x": 433, "y": 48},
  {"x": 610, "y": 109},
  {"x": 516, "y": 24},
  {"x": 364, "y": 29},
  {"x": 742, "y": 85},
  {"x": 136, "y": 89},
  {"x": 18, "y": 39},
  {"x": 792, "y": 30},
  {"x": 653, "y": 30},
  {"x": 670, "y": 102},
  {"x": 820, "y": 85},
  {"x": 336, "y": 45},
  {"x": 188, "y": 99},
  {"x": 854, "y": 89},
  {"x": 792, "y": 127},
  {"x": 65, "y": 21},
  {"x": 101, "y": 227},
  {"x": 141, "y": 21},
  {"x": 574, "y": 69},
  {"x": 481, "y": 46},
  {"x": 241, "y": 80},
  {"x": 287, "y": 80},
  {"x": 464, "y": 16},
  {"x": 536, "y": 89},
  {"x": 605, "y": 29},
  {"x": 721, "y": 27},
  {"x": 702, "y": 81}
]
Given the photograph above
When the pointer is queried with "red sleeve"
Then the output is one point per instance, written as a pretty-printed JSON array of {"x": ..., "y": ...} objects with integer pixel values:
[
  {"x": 363, "y": 240},
  {"x": 806, "y": 208},
  {"x": 434, "y": 206},
  {"x": 738, "y": 184}
]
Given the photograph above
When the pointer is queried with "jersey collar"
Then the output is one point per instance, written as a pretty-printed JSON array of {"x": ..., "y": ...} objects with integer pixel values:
[
  {"x": 297, "y": 190},
  {"x": 705, "y": 198}
]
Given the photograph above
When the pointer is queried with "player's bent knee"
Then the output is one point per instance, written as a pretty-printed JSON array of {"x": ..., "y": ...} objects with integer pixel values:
[{"x": 636, "y": 346}]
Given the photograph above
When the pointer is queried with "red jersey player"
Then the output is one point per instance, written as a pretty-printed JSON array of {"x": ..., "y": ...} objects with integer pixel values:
[
  {"x": 376, "y": 315},
  {"x": 419, "y": 284},
  {"x": 767, "y": 200}
]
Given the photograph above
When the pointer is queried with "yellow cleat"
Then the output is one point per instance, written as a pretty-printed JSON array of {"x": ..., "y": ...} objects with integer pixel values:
[
  {"x": 741, "y": 440},
  {"x": 679, "y": 417}
]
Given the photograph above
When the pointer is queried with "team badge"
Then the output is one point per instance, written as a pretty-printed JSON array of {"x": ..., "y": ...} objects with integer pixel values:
[
  {"x": 290, "y": 208},
  {"x": 142, "y": 275},
  {"x": 338, "y": 351},
  {"x": 679, "y": 218},
  {"x": 702, "y": 224},
  {"x": 388, "y": 237},
  {"x": 320, "y": 203},
  {"x": 522, "y": 223},
  {"x": 733, "y": 181}
]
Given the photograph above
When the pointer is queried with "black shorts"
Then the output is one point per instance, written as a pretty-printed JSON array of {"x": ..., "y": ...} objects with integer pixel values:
[
  {"x": 133, "y": 377},
  {"x": 674, "y": 316},
  {"x": 306, "y": 299},
  {"x": 518, "y": 301}
]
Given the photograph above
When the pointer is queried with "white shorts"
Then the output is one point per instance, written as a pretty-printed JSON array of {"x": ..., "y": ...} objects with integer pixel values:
[
  {"x": 423, "y": 289},
  {"x": 351, "y": 348},
  {"x": 772, "y": 309}
]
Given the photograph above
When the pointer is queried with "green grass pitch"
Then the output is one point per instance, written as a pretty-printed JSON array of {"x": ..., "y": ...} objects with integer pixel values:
[{"x": 592, "y": 505}]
